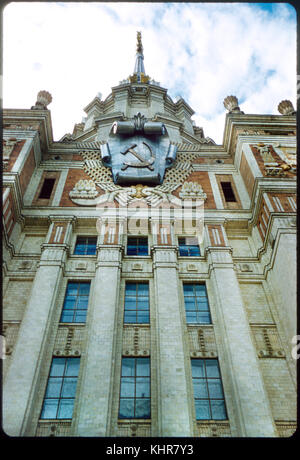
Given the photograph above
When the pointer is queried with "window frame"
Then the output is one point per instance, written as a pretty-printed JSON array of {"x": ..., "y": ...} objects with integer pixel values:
[
  {"x": 135, "y": 398},
  {"x": 197, "y": 311},
  {"x": 78, "y": 296},
  {"x": 86, "y": 245},
  {"x": 139, "y": 237},
  {"x": 188, "y": 247},
  {"x": 64, "y": 379},
  {"x": 136, "y": 309},
  {"x": 206, "y": 380}
]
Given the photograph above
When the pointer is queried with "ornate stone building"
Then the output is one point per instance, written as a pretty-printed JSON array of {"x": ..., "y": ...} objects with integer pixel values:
[{"x": 149, "y": 274}]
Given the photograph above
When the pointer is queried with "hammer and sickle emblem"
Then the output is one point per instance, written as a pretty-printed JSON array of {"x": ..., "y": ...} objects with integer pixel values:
[{"x": 142, "y": 163}]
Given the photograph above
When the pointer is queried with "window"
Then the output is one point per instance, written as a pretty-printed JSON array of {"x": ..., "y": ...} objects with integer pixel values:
[
  {"x": 135, "y": 388},
  {"x": 137, "y": 246},
  {"x": 228, "y": 192},
  {"x": 196, "y": 304},
  {"x": 76, "y": 302},
  {"x": 61, "y": 388},
  {"x": 47, "y": 188},
  {"x": 188, "y": 246},
  {"x": 136, "y": 308},
  {"x": 208, "y": 390},
  {"x": 86, "y": 245}
]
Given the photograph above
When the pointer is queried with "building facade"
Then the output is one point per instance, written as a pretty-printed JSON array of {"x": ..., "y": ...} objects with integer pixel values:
[{"x": 149, "y": 274}]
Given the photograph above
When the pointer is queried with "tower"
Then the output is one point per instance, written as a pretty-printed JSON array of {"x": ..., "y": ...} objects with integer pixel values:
[{"x": 145, "y": 286}]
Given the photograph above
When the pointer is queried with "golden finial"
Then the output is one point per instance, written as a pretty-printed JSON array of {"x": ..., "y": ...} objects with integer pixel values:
[{"x": 139, "y": 47}]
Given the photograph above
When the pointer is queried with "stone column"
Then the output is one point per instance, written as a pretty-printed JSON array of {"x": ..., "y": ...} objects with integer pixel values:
[
  {"x": 174, "y": 412},
  {"x": 95, "y": 398},
  {"x": 251, "y": 408},
  {"x": 20, "y": 383}
]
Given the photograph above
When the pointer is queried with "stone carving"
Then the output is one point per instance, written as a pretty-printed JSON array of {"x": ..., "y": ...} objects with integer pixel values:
[
  {"x": 231, "y": 103},
  {"x": 43, "y": 100},
  {"x": 9, "y": 147},
  {"x": 286, "y": 108},
  {"x": 138, "y": 151},
  {"x": 192, "y": 190},
  {"x": 84, "y": 189},
  {"x": 266, "y": 154}
]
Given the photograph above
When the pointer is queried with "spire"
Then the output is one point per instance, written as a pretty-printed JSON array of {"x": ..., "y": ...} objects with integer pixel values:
[{"x": 139, "y": 68}]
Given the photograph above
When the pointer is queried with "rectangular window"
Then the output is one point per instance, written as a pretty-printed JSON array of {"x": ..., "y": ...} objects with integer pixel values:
[
  {"x": 61, "y": 389},
  {"x": 47, "y": 188},
  {"x": 188, "y": 246},
  {"x": 135, "y": 388},
  {"x": 76, "y": 302},
  {"x": 136, "y": 308},
  {"x": 228, "y": 192},
  {"x": 208, "y": 390},
  {"x": 196, "y": 304},
  {"x": 86, "y": 245},
  {"x": 137, "y": 246}
]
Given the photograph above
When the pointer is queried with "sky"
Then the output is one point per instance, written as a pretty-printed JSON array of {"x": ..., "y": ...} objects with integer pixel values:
[{"x": 202, "y": 52}]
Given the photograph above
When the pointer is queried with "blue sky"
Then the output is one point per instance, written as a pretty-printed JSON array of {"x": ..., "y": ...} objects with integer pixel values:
[{"x": 200, "y": 51}]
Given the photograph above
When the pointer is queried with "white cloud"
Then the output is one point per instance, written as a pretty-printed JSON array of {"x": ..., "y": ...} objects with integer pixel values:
[{"x": 202, "y": 51}]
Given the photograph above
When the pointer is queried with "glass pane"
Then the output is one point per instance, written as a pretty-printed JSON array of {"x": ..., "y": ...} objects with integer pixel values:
[
  {"x": 200, "y": 388},
  {"x": 188, "y": 289},
  {"x": 57, "y": 367},
  {"x": 84, "y": 288},
  {"x": 72, "y": 368},
  {"x": 127, "y": 387},
  {"x": 143, "y": 303},
  {"x": 49, "y": 408},
  {"x": 91, "y": 250},
  {"x": 83, "y": 301},
  {"x": 130, "y": 303},
  {"x": 212, "y": 368},
  {"x": 131, "y": 288},
  {"x": 189, "y": 303},
  {"x": 143, "y": 387},
  {"x": 197, "y": 368},
  {"x": 143, "y": 317},
  {"x": 142, "y": 366},
  {"x": 70, "y": 302},
  {"x": 69, "y": 387},
  {"x": 215, "y": 388},
  {"x": 65, "y": 408},
  {"x": 203, "y": 318},
  {"x": 126, "y": 408},
  {"x": 67, "y": 316},
  {"x": 218, "y": 410},
  {"x": 202, "y": 303},
  {"x": 128, "y": 366},
  {"x": 194, "y": 251},
  {"x": 191, "y": 317},
  {"x": 80, "y": 316},
  {"x": 183, "y": 251},
  {"x": 130, "y": 317},
  {"x": 202, "y": 409},
  {"x": 142, "y": 408},
  {"x": 131, "y": 250},
  {"x": 142, "y": 250},
  {"x": 143, "y": 289},
  {"x": 53, "y": 387},
  {"x": 200, "y": 289},
  {"x": 72, "y": 289},
  {"x": 79, "y": 249}
]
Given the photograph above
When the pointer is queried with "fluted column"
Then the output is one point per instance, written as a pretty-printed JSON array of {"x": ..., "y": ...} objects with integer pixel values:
[
  {"x": 95, "y": 399},
  {"x": 251, "y": 409},
  {"x": 174, "y": 412},
  {"x": 23, "y": 371}
]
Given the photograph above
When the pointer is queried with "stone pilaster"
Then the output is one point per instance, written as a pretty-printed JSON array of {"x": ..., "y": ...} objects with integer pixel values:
[
  {"x": 174, "y": 412},
  {"x": 97, "y": 393},
  {"x": 22, "y": 375},
  {"x": 250, "y": 405}
]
